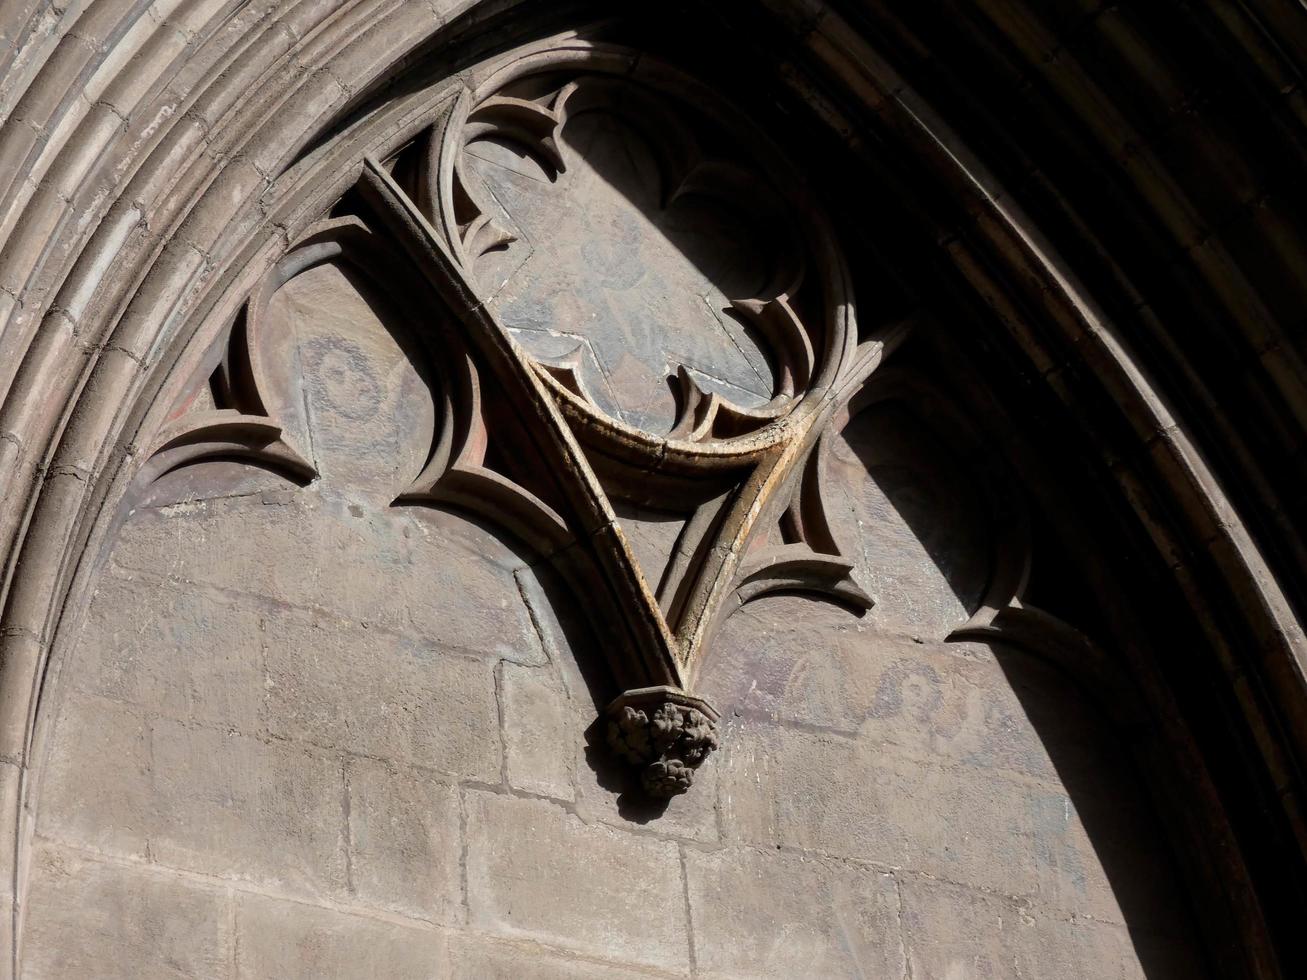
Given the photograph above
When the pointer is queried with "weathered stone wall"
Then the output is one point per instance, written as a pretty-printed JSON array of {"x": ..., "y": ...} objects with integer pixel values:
[
  {"x": 306, "y": 733},
  {"x": 285, "y": 714},
  {"x": 362, "y": 752},
  {"x": 219, "y": 753}
]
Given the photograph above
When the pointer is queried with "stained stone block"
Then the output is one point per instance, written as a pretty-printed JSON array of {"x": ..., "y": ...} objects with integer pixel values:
[
  {"x": 405, "y": 841},
  {"x": 238, "y": 807},
  {"x": 566, "y": 637},
  {"x": 535, "y": 871},
  {"x": 174, "y": 650},
  {"x": 540, "y": 742},
  {"x": 844, "y": 797},
  {"x": 760, "y": 913},
  {"x": 97, "y": 790},
  {"x": 388, "y": 569},
  {"x": 954, "y": 931},
  {"x": 477, "y": 958},
  {"x": 86, "y": 919},
  {"x": 765, "y": 665},
  {"x": 954, "y": 703},
  {"x": 291, "y": 941},
  {"x": 204, "y": 800},
  {"x": 406, "y": 701}
]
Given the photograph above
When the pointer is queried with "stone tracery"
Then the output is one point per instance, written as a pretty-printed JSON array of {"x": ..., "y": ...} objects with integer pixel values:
[
  {"x": 98, "y": 319},
  {"x": 735, "y": 469}
]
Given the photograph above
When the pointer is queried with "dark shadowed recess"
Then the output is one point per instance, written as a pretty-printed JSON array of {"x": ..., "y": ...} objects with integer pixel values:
[{"x": 1206, "y": 761}]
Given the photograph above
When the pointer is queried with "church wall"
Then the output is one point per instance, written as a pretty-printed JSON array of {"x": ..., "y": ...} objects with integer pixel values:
[
  {"x": 308, "y": 733},
  {"x": 286, "y": 716}
]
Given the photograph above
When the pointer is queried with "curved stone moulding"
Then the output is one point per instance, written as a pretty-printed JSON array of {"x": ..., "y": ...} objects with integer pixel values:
[{"x": 141, "y": 186}]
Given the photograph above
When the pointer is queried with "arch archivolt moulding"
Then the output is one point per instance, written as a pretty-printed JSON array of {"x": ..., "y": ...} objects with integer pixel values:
[{"x": 213, "y": 190}]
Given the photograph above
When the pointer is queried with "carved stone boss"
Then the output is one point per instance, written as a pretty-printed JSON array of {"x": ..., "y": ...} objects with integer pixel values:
[{"x": 523, "y": 442}]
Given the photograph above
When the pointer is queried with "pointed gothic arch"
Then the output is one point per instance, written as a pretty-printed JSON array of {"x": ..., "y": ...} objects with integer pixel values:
[{"x": 196, "y": 192}]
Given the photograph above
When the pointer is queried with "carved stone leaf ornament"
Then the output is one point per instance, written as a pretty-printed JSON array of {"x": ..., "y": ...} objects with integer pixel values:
[
  {"x": 665, "y": 733},
  {"x": 526, "y": 440}
]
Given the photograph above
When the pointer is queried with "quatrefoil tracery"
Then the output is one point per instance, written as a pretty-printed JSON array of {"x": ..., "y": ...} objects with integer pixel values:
[{"x": 702, "y": 150}]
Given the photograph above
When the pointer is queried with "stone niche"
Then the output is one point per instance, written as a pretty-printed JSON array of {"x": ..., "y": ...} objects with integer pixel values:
[{"x": 337, "y": 705}]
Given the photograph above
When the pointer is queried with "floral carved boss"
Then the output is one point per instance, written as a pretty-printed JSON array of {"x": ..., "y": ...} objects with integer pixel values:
[{"x": 632, "y": 304}]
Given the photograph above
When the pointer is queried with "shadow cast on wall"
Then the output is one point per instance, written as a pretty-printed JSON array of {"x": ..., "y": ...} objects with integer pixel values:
[{"x": 360, "y": 395}]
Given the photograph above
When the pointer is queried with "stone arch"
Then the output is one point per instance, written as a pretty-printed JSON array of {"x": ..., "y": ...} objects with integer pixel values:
[{"x": 180, "y": 165}]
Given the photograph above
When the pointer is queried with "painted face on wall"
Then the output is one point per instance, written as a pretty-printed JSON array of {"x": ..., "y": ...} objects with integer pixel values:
[{"x": 918, "y": 697}]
